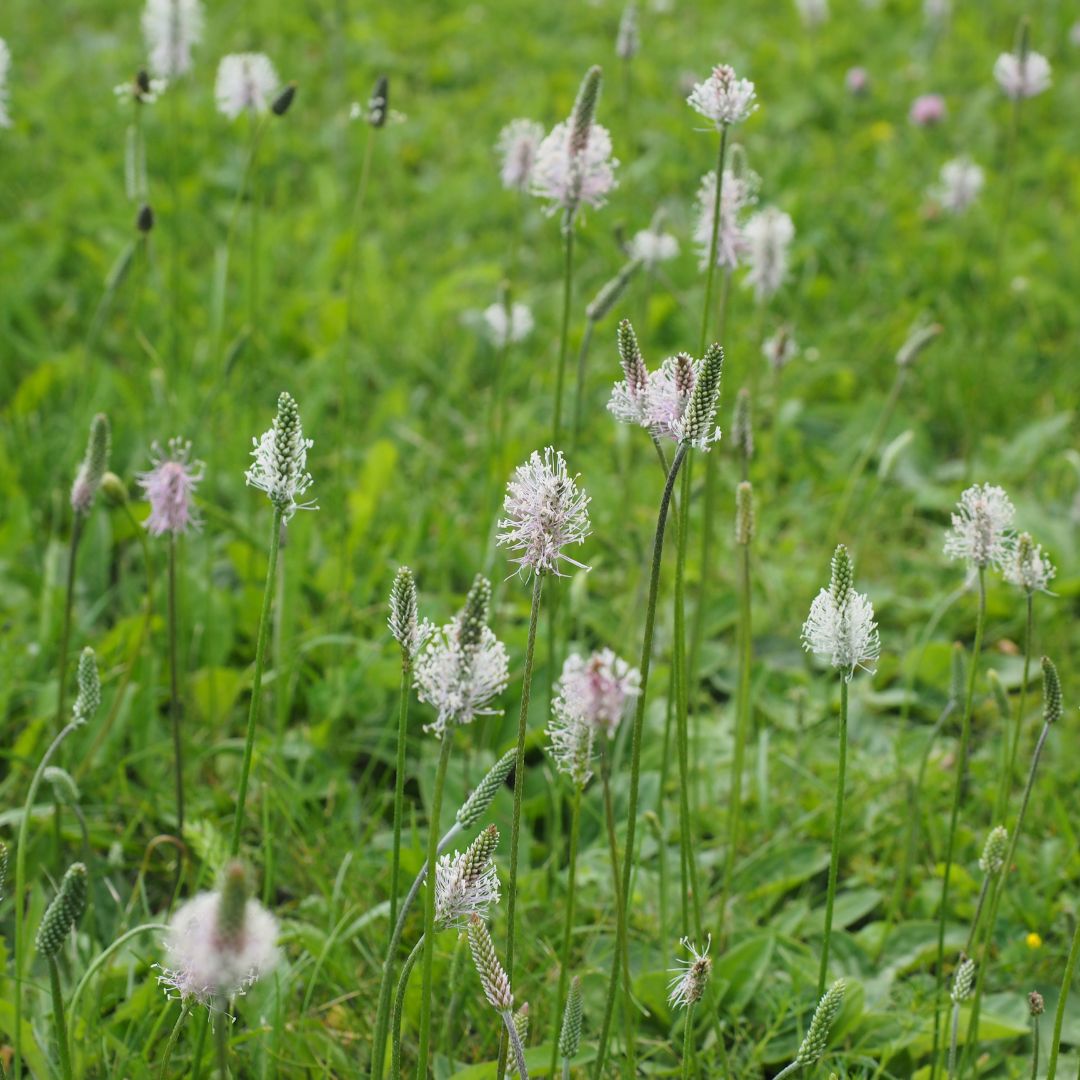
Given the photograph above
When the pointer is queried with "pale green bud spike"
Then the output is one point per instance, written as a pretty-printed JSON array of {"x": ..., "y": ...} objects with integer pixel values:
[
  {"x": 3, "y": 867},
  {"x": 584, "y": 110},
  {"x": 88, "y": 700},
  {"x": 610, "y": 292},
  {"x": 700, "y": 418},
  {"x": 521, "y": 1026},
  {"x": 1051, "y": 692},
  {"x": 817, "y": 1037},
  {"x": 64, "y": 912},
  {"x": 995, "y": 850},
  {"x": 744, "y": 513},
  {"x": 742, "y": 426},
  {"x": 492, "y": 976},
  {"x": 842, "y": 576},
  {"x": 570, "y": 1035},
  {"x": 234, "y": 898},
  {"x": 958, "y": 680},
  {"x": 63, "y": 784},
  {"x": 963, "y": 980},
  {"x": 476, "y": 805},
  {"x": 474, "y": 615},
  {"x": 92, "y": 470},
  {"x": 1036, "y": 1005},
  {"x": 1001, "y": 695}
]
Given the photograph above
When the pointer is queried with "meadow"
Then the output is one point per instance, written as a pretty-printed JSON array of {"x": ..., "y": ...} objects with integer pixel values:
[{"x": 731, "y": 674}]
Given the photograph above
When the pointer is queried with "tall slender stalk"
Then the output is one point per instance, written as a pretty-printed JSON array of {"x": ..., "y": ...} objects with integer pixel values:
[
  {"x": 838, "y": 820},
  {"x": 961, "y": 767},
  {"x": 515, "y": 1044},
  {"x": 256, "y": 683},
  {"x": 564, "y": 330},
  {"x": 58, "y": 1019},
  {"x": 688, "y": 1043},
  {"x": 175, "y": 704},
  {"x": 1059, "y": 1013},
  {"x": 399, "y": 1002},
  {"x": 221, "y": 1039},
  {"x": 65, "y": 628},
  {"x": 568, "y": 924},
  {"x": 166, "y": 1057},
  {"x": 1005, "y": 790},
  {"x": 710, "y": 272},
  {"x": 635, "y": 750},
  {"x": 399, "y": 781}
]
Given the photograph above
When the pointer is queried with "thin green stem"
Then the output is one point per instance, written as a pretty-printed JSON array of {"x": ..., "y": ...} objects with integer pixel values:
[
  {"x": 635, "y": 748},
  {"x": 65, "y": 627},
  {"x": 1034, "y": 1047},
  {"x": 221, "y": 1038},
  {"x": 519, "y": 789},
  {"x": 1059, "y": 1013},
  {"x": 568, "y": 925},
  {"x": 961, "y": 768},
  {"x": 579, "y": 392},
  {"x": 399, "y": 784},
  {"x": 954, "y": 1038},
  {"x": 166, "y": 1057},
  {"x": 979, "y": 904},
  {"x": 399, "y": 1002},
  {"x": 515, "y": 1044},
  {"x": 200, "y": 1043},
  {"x": 564, "y": 331},
  {"x": 838, "y": 821},
  {"x": 175, "y": 705},
  {"x": 429, "y": 902},
  {"x": 711, "y": 270},
  {"x": 1005, "y": 791},
  {"x": 59, "y": 1020},
  {"x": 688, "y": 1043},
  {"x": 256, "y": 683}
]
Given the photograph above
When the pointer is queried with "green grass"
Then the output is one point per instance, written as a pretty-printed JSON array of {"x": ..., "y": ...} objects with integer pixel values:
[{"x": 409, "y": 477}]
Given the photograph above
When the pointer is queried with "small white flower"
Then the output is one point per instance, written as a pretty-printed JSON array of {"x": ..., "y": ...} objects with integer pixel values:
[
  {"x": 1022, "y": 77},
  {"x": 689, "y": 977},
  {"x": 280, "y": 467},
  {"x": 627, "y": 41},
  {"x": 667, "y": 395},
  {"x": 545, "y": 513},
  {"x": 813, "y": 12},
  {"x": 209, "y": 966},
  {"x": 517, "y": 146},
  {"x": 569, "y": 180},
  {"x": 767, "y": 236},
  {"x": 737, "y": 194},
  {"x": 840, "y": 627},
  {"x": 981, "y": 532},
  {"x": 246, "y": 82},
  {"x": 172, "y": 28},
  {"x": 1028, "y": 567},
  {"x": 503, "y": 328},
  {"x": 723, "y": 98},
  {"x": 959, "y": 186},
  {"x": 572, "y": 738},
  {"x": 467, "y": 883},
  {"x": 142, "y": 89},
  {"x": 780, "y": 349},
  {"x": 652, "y": 247},
  {"x": 5, "y": 65}
]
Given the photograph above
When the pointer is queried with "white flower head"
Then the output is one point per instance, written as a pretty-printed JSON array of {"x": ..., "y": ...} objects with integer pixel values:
[
  {"x": 959, "y": 185},
  {"x": 599, "y": 688},
  {"x": 172, "y": 28},
  {"x": 1028, "y": 567},
  {"x": 280, "y": 467},
  {"x": 466, "y": 883},
  {"x": 840, "y": 627},
  {"x": 1022, "y": 75},
  {"x": 5, "y": 65},
  {"x": 668, "y": 394},
  {"x": 628, "y": 39},
  {"x": 572, "y": 738},
  {"x": 212, "y": 961},
  {"x": 517, "y": 147},
  {"x": 723, "y": 98},
  {"x": 652, "y": 246},
  {"x": 142, "y": 89},
  {"x": 246, "y": 82},
  {"x": 936, "y": 11},
  {"x": 503, "y": 327},
  {"x": 981, "y": 532},
  {"x": 463, "y": 665},
  {"x": 813, "y": 12},
  {"x": 689, "y": 977},
  {"x": 738, "y": 193},
  {"x": 570, "y": 178},
  {"x": 767, "y": 237},
  {"x": 780, "y": 349},
  {"x": 545, "y": 512}
]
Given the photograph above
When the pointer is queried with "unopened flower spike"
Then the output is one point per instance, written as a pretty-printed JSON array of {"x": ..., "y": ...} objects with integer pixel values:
[
  {"x": 742, "y": 426},
  {"x": 94, "y": 463},
  {"x": 545, "y": 513},
  {"x": 64, "y": 912},
  {"x": 690, "y": 977},
  {"x": 917, "y": 341},
  {"x": 992, "y": 861},
  {"x": 466, "y": 883},
  {"x": 476, "y": 805},
  {"x": 610, "y": 292},
  {"x": 88, "y": 699},
  {"x": 816, "y": 1039},
  {"x": 744, "y": 513},
  {"x": 280, "y": 467},
  {"x": 219, "y": 943},
  {"x": 492, "y": 976},
  {"x": 5, "y": 64},
  {"x": 570, "y": 1033},
  {"x": 628, "y": 38},
  {"x": 283, "y": 102},
  {"x": 963, "y": 980},
  {"x": 1028, "y": 567},
  {"x": 697, "y": 427},
  {"x": 840, "y": 627},
  {"x": 169, "y": 487},
  {"x": 172, "y": 28},
  {"x": 1036, "y": 1005},
  {"x": 1051, "y": 692},
  {"x": 404, "y": 620}
]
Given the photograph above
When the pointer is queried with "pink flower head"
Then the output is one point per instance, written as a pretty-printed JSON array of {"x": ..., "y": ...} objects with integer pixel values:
[
  {"x": 517, "y": 146},
  {"x": 599, "y": 688},
  {"x": 569, "y": 177},
  {"x": 857, "y": 81},
  {"x": 723, "y": 98},
  {"x": 169, "y": 486},
  {"x": 737, "y": 194},
  {"x": 927, "y": 110}
]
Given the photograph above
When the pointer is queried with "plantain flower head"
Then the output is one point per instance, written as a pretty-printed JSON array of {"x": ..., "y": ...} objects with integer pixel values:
[
  {"x": 840, "y": 627},
  {"x": 518, "y": 144},
  {"x": 723, "y": 98},
  {"x": 280, "y": 467},
  {"x": 246, "y": 82},
  {"x": 169, "y": 487},
  {"x": 981, "y": 532},
  {"x": 172, "y": 28}
]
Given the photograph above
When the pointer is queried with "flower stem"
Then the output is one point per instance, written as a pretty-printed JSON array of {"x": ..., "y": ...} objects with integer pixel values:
[
  {"x": 579, "y": 392},
  {"x": 1034, "y": 1047},
  {"x": 1007, "y": 774},
  {"x": 399, "y": 1001},
  {"x": 515, "y": 1044},
  {"x": 163, "y": 1072},
  {"x": 571, "y": 896},
  {"x": 256, "y": 684},
  {"x": 635, "y": 750},
  {"x": 399, "y": 785},
  {"x": 65, "y": 628},
  {"x": 688, "y": 1043},
  {"x": 564, "y": 332},
  {"x": 961, "y": 766},
  {"x": 221, "y": 1038},
  {"x": 954, "y": 1038},
  {"x": 429, "y": 902},
  {"x": 1059, "y": 1014},
  {"x": 838, "y": 820},
  {"x": 175, "y": 705},
  {"x": 711, "y": 271},
  {"x": 58, "y": 1019},
  {"x": 519, "y": 789}
]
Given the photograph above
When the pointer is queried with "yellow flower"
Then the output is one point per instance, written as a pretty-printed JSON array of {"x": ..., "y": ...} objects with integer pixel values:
[
  {"x": 1033, "y": 941},
  {"x": 881, "y": 131}
]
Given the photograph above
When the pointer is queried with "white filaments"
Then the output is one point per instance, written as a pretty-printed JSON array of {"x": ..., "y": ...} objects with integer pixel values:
[
  {"x": 981, "y": 532},
  {"x": 652, "y": 246},
  {"x": 1022, "y": 75},
  {"x": 246, "y": 82},
  {"x": 280, "y": 467},
  {"x": 458, "y": 679},
  {"x": 545, "y": 512},
  {"x": 1028, "y": 566},
  {"x": 517, "y": 146},
  {"x": 959, "y": 185},
  {"x": 767, "y": 236},
  {"x": 502, "y": 327},
  {"x": 780, "y": 348},
  {"x": 466, "y": 883},
  {"x": 667, "y": 395},
  {"x": 599, "y": 688},
  {"x": 572, "y": 738},
  {"x": 689, "y": 977},
  {"x": 723, "y": 98},
  {"x": 172, "y": 28},
  {"x": 570, "y": 179},
  {"x": 211, "y": 966},
  {"x": 5, "y": 65},
  {"x": 840, "y": 627},
  {"x": 737, "y": 194}
]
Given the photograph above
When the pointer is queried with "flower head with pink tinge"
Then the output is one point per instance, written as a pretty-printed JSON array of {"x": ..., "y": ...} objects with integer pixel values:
[
  {"x": 723, "y": 98},
  {"x": 169, "y": 487}
]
